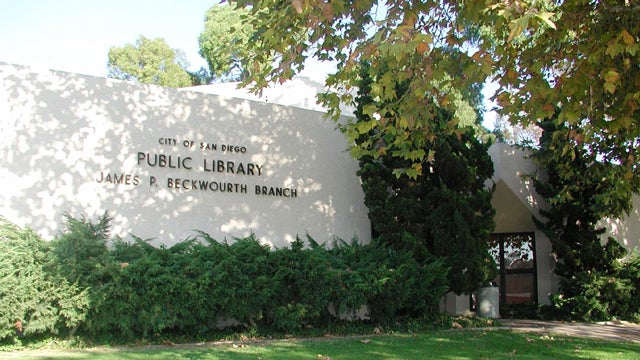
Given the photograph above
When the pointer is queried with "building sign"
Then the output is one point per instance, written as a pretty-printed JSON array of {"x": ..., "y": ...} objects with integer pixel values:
[{"x": 197, "y": 173}]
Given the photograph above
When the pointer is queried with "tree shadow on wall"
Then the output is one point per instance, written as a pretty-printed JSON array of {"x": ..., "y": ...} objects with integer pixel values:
[{"x": 64, "y": 133}]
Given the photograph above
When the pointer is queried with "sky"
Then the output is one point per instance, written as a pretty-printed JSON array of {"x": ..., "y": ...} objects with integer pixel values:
[{"x": 75, "y": 35}]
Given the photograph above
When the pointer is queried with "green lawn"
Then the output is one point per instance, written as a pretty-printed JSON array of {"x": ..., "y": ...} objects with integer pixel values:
[{"x": 470, "y": 344}]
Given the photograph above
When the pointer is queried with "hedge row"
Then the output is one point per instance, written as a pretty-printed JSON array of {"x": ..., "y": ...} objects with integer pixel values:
[{"x": 87, "y": 283}]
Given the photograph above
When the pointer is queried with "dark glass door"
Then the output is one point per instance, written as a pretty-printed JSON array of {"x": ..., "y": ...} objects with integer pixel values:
[{"x": 514, "y": 253}]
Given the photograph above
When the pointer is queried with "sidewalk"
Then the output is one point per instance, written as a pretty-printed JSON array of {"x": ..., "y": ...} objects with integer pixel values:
[{"x": 622, "y": 331}]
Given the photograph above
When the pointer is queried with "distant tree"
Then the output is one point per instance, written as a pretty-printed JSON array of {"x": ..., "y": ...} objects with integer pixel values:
[
  {"x": 201, "y": 77},
  {"x": 223, "y": 42},
  {"x": 149, "y": 61},
  {"x": 516, "y": 134}
]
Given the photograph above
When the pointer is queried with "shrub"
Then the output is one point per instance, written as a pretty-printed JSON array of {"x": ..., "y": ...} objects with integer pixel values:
[
  {"x": 80, "y": 250},
  {"x": 630, "y": 271},
  {"x": 149, "y": 290},
  {"x": 303, "y": 281},
  {"x": 34, "y": 299},
  {"x": 599, "y": 296},
  {"x": 237, "y": 279},
  {"x": 132, "y": 289},
  {"x": 395, "y": 283}
]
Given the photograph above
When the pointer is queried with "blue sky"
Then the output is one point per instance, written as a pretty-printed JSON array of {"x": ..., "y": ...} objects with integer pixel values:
[{"x": 75, "y": 35}]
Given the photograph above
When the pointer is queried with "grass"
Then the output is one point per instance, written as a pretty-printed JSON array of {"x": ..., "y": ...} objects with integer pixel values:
[{"x": 458, "y": 345}]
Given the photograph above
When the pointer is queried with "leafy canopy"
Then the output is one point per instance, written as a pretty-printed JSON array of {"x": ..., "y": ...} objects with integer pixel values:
[
  {"x": 575, "y": 63},
  {"x": 347, "y": 32},
  {"x": 579, "y": 56},
  {"x": 149, "y": 61}
]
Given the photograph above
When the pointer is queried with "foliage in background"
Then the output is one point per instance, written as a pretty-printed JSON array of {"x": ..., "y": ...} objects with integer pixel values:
[
  {"x": 33, "y": 300},
  {"x": 198, "y": 286},
  {"x": 596, "y": 283},
  {"x": 570, "y": 63},
  {"x": 224, "y": 41},
  {"x": 516, "y": 134},
  {"x": 447, "y": 211},
  {"x": 150, "y": 61}
]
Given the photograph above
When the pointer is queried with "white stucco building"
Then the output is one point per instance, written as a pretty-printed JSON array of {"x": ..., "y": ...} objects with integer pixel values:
[{"x": 165, "y": 163}]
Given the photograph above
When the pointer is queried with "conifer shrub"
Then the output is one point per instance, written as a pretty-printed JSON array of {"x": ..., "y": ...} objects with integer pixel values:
[
  {"x": 34, "y": 300},
  {"x": 599, "y": 295},
  {"x": 124, "y": 290},
  {"x": 630, "y": 271},
  {"x": 236, "y": 281},
  {"x": 390, "y": 282},
  {"x": 79, "y": 251},
  {"x": 303, "y": 281}
]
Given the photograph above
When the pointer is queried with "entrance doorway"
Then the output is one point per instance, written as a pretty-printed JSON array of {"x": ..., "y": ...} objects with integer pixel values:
[{"x": 514, "y": 253}]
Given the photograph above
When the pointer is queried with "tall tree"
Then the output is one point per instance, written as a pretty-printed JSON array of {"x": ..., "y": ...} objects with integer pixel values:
[
  {"x": 580, "y": 54},
  {"x": 421, "y": 41},
  {"x": 581, "y": 190},
  {"x": 149, "y": 61},
  {"x": 410, "y": 213},
  {"x": 224, "y": 40}
]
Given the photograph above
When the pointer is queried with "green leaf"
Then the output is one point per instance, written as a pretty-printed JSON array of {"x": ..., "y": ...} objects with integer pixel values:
[
  {"x": 366, "y": 126},
  {"x": 546, "y": 18},
  {"x": 398, "y": 172},
  {"x": 517, "y": 27},
  {"x": 417, "y": 154},
  {"x": 370, "y": 109},
  {"x": 412, "y": 173},
  {"x": 403, "y": 122},
  {"x": 609, "y": 87},
  {"x": 611, "y": 76}
]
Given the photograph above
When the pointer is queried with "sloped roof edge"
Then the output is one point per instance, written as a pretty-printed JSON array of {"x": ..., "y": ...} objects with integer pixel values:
[
  {"x": 513, "y": 167},
  {"x": 299, "y": 92}
]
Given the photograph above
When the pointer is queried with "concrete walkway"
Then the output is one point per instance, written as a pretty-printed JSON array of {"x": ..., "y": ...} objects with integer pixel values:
[{"x": 617, "y": 331}]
